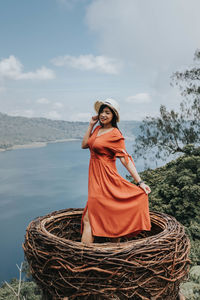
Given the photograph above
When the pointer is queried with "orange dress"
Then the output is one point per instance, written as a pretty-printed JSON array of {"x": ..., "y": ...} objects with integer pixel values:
[{"x": 116, "y": 207}]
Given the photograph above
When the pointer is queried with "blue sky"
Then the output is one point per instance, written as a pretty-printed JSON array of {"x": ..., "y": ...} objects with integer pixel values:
[{"x": 58, "y": 56}]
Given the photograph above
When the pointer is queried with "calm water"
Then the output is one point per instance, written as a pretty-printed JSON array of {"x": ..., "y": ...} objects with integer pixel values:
[{"x": 34, "y": 182}]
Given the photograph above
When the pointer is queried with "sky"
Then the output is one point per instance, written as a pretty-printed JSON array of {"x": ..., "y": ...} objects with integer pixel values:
[{"x": 57, "y": 57}]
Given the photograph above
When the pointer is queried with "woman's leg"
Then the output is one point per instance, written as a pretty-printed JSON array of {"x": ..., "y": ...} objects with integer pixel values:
[
  {"x": 181, "y": 296},
  {"x": 87, "y": 237}
]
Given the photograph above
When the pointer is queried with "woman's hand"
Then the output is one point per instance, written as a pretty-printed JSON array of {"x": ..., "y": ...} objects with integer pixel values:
[
  {"x": 145, "y": 187},
  {"x": 94, "y": 120}
]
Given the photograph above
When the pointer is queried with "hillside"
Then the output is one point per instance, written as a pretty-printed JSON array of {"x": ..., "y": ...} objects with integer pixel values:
[{"x": 16, "y": 130}]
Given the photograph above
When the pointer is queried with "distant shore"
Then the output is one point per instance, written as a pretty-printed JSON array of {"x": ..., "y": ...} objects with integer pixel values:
[{"x": 36, "y": 144}]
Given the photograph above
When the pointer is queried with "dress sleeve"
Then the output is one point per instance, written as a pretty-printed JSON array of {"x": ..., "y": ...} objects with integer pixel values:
[{"x": 119, "y": 148}]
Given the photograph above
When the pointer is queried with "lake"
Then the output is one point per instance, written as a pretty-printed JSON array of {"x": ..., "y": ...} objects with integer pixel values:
[{"x": 34, "y": 182}]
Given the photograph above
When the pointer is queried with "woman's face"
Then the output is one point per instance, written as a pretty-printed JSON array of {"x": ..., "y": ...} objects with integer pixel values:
[{"x": 105, "y": 117}]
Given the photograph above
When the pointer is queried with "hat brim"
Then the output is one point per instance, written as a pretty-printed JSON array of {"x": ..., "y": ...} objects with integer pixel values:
[{"x": 98, "y": 104}]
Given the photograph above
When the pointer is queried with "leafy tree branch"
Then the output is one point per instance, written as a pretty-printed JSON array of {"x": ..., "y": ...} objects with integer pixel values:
[{"x": 172, "y": 131}]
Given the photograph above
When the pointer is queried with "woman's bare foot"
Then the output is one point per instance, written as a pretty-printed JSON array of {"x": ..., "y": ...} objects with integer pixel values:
[{"x": 116, "y": 240}]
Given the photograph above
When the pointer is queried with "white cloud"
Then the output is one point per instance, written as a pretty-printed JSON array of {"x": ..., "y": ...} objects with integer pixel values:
[
  {"x": 54, "y": 106},
  {"x": 139, "y": 98},
  {"x": 149, "y": 34},
  {"x": 89, "y": 62},
  {"x": 57, "y": 105},
  {"x": 43, "y": 101},
  {"x": 81, "y": 117},
  {"x": 137, "y": 115},
  {"x": 43, "y": 73},
  {"x": 29, "y": 113},
  {"x": 12, "y": 68},
  {"x": 52, "y": 115}
]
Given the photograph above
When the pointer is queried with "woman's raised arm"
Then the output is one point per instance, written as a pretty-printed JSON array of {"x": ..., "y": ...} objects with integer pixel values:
[{"x": 93, "y": 121}]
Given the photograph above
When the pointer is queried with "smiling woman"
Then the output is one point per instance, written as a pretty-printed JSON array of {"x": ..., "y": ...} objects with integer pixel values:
[
  {"x": 115, "y": 207},
  {"x": 105, "y": 116}
]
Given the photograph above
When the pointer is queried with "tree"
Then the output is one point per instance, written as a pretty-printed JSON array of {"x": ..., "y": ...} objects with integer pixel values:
[
  {"x": 189, "y": 84},
  {"x": 171, "y": 131}
]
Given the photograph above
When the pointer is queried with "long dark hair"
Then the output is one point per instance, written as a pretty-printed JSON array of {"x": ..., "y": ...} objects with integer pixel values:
[{"x": 114, "y": 119}]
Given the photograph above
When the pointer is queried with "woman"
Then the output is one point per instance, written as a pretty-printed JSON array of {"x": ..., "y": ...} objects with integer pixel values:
[{"x": 115, "y": 206}]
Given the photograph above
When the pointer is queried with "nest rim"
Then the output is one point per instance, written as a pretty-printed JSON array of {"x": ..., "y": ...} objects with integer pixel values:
[{"x": 104, "y": 245}]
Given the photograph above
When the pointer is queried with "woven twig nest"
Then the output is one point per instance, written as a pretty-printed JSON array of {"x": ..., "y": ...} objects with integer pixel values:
[{"x": 149, "y": 266}]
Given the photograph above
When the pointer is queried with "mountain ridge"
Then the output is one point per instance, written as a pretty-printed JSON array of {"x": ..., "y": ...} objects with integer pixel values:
[{"x": 20, "y": 130}]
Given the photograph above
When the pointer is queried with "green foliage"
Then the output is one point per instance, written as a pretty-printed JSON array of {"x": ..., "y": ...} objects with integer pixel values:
[
  {"x": 191, "y": 289},
  {"x": 176, "y": 191},
  {"x": 20, "y": 289},
  {"x": 176, "y": 188},
  {"x": 29, "y": 291},
  {"x": 195, "y": 245},
  {"x": 195, "y": 274}
]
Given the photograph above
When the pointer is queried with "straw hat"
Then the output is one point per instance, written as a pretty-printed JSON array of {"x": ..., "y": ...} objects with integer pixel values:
[{"x": 110, "y": 103}]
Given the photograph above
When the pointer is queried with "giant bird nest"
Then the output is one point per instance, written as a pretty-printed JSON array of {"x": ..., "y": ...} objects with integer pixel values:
[{"x": 149, "y": 266}]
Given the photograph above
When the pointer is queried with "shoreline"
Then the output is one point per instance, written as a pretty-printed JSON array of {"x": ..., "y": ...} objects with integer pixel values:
[{"x": 37, "y": 144}]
